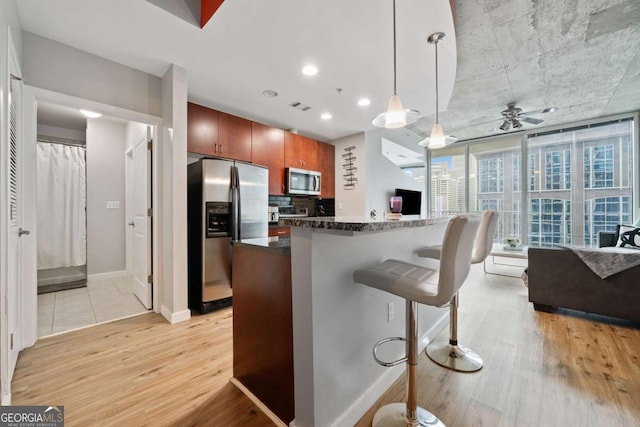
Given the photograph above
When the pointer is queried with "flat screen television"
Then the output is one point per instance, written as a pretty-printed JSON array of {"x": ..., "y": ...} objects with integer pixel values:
[{"x": 411, "y": 201}]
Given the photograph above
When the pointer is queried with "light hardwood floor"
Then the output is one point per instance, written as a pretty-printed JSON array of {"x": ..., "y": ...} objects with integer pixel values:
[
  {"x": 139, "y": 371},
  {"x": 540, "y": 369}
]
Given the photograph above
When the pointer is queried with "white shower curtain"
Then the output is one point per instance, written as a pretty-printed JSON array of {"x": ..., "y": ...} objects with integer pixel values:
[{"x": 61, "y": 187}]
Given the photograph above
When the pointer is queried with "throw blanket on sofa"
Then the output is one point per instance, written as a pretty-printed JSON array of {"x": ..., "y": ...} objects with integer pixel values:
[{"x": 606, "y": 262}]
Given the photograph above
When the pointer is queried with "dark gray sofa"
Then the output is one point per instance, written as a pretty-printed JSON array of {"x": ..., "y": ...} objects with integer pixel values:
[{"x": 559, "y": 278}]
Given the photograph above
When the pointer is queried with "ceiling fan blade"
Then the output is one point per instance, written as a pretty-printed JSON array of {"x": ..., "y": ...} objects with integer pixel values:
[
  {"x": 482, "y": 121},
  {"x": 530, "y": 120},
  {"x": 540, "y": 111}
]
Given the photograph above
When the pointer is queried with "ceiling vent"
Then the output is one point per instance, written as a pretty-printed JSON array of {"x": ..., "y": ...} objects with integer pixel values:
[{"x": 299, "y": 106}]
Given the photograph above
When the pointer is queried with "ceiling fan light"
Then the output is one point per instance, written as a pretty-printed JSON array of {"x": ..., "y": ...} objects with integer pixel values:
[
  {"x": 516, "y": 124},
  {"x": 505, "y": 126}
]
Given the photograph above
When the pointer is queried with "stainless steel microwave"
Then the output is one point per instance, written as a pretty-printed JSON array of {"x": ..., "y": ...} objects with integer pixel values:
[{"x": 301, "y": 181}]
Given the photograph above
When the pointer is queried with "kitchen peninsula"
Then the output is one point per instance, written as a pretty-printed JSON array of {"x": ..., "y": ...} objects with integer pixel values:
[{"x": 336, "y": 322}]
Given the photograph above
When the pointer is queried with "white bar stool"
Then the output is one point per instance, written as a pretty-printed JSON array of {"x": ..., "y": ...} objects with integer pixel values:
[
  {"x": 417, "y": 284},
  {"x": 451, "y": 354}
]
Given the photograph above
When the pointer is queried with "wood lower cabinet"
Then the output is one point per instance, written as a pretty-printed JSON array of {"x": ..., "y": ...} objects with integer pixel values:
[
  {"x": 234, "y": 141},
  {"x": 327, "y": 167},
  {"x": 268, "y": 150},
  {"x": 300, "y": 152},
  {"x": 279, "y": 231},
  {"x": 263, "y": 327},
  {"x": 202, "y": 129}
]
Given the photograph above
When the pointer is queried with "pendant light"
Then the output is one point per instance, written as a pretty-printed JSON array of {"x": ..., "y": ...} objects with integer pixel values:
[
  {"x": 437, "y": 139},
  {"x": 396, "y": 116}
]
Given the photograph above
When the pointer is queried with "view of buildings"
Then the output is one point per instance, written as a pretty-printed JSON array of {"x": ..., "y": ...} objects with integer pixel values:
[{"x": 577, "y": 182}]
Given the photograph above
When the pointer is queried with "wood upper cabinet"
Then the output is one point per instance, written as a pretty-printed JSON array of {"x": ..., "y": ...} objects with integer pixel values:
[
  {"x": 234, "y": 141},
  {"x": 202, "y": 129},
  {"x": 300, "y": 152},
  {"x": 327, "y": 167},
  {"x": 268, "y": 150},
  {"x": 217, "y": 134}
]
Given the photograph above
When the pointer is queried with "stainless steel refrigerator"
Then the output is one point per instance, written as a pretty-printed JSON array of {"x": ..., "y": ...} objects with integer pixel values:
[{"x": 227, "y": 200}]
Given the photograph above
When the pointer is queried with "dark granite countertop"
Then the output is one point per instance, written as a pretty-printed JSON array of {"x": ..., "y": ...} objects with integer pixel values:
[
  {"x": 279, "y": 245},
  {"x": 361, "y": 224}
]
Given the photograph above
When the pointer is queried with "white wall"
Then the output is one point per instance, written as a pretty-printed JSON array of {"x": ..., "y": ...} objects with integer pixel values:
[
  {"x": 377, "y": 176},
  {"x": 105, "y": 182},
  {"x": 174, "y": 198},
  {"x": 382, "y": 176},
  {"x": 60, "y": 132},
  {"x": 62, "y": 68},
  {"x": 350, "y": 202}
]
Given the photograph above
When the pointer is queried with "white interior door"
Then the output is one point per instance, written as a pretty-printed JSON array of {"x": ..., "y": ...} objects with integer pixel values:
[
  {"x": 141, "y": 202},
  {"x": 15, "y": 231}
]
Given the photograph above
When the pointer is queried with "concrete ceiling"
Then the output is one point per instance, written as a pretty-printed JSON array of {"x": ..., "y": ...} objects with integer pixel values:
[
  {"x": 250, "y": 46},
  {"x": 580, "y": 55}
]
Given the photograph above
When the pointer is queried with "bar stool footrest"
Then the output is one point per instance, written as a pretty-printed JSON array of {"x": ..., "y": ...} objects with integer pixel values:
[{"x": 382, "y": 362}]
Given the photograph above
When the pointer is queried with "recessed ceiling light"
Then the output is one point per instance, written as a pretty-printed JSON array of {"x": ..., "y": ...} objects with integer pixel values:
[
  {"x": 309, "y": 70},
  {"x": 363, "y": 102},
  {"x": 269, "y": 93},
  {"x": 90, "y": 114},
  {"x": 326, "y": 116}
]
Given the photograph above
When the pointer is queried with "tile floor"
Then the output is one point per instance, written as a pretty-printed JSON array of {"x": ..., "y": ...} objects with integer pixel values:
[{"x": 100, "y": 301}]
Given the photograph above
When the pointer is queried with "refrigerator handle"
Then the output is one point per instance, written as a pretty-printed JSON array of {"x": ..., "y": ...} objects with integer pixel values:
[
  {"x": 316, "y": 183},
  {"x": 235, "y": 188}
]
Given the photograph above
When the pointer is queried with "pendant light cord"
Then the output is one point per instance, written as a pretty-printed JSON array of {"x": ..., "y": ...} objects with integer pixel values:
[
  {"x": 394, "y": 48},
  {"x": 436, "y": 44}
]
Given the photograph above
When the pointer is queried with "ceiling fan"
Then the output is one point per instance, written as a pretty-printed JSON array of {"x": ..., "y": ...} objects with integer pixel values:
[{"x": 513, "y": 117}]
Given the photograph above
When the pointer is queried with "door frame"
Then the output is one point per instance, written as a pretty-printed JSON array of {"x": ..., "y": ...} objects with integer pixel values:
[{"x": 31, "y": 96}]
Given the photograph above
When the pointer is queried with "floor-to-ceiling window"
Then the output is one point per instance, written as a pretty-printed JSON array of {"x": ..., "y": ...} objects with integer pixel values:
[
  {"x": 499, "y": 176},
  {"x": 448, "y": 181},
  {"x": 584, "y": 182},
  {"x": 578, "y": 181}
]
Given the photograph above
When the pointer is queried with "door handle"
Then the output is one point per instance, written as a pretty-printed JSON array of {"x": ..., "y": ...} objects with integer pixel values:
[
  {"x": 220, "y": 148},
  {"x": 132, "y": 224},
  {"x": 21, "y": 232}
]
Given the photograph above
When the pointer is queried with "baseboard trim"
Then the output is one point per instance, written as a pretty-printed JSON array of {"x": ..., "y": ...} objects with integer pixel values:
[
  {"x": 106, "y": 276},
  {"x": 179, "y": 316},
  {"x": 273, "y": 417},
  {"x": 360, "y": 407},
  {"x": 6, "y": 399}
]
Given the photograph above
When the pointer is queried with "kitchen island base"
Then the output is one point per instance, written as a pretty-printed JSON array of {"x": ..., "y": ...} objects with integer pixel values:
[{"x": 336, "y": 321}]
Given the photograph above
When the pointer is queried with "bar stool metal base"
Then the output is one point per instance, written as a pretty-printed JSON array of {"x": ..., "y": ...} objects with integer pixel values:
[
  {"x": 393, "y": 415},
  {"x": 454, "y": 357}
]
